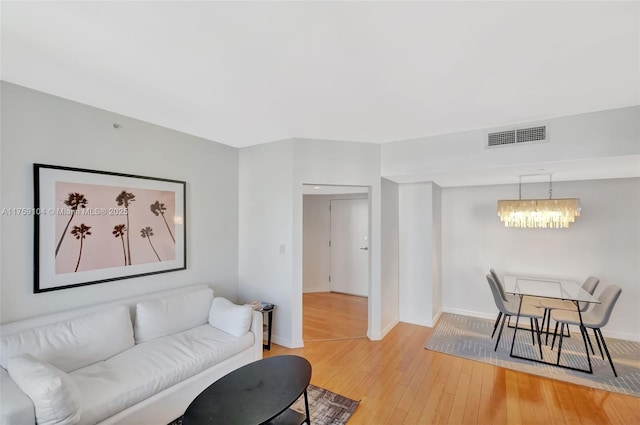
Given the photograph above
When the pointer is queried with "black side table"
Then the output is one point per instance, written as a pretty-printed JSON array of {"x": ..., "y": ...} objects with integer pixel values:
[{"x": 268, "y": 308}]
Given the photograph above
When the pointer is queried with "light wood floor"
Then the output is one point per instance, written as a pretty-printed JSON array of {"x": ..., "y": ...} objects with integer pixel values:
[
  {"x": 329, "y": 315},
  {"x": 399, "y": 382}
]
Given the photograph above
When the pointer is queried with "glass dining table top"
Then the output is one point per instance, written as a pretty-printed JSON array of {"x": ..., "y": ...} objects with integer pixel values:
[{"x": 544, "y": 287}]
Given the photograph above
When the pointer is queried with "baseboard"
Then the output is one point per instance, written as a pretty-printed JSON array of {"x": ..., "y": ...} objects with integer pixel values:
[
  {"x": 286, "y": 342},
  {"x": 374, "y": 336},
  {"x": 437, "y": 317},
  {"x": 313, "y": 290},
  {"x": 388, "y": 328},
  {"x": 427, "y": 324},
  {"x": 470, "y": 313}
]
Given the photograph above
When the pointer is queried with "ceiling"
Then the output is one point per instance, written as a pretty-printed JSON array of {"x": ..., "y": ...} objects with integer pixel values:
[{"x": 244, "y": 73}]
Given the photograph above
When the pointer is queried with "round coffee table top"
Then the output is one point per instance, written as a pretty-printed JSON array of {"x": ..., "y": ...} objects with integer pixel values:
[{"x": 253, "y": 394}]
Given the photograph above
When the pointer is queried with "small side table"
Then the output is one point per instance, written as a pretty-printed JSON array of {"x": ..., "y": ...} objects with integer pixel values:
[
  {"x": 268, "y": 308},
  {"x": 263, "y": 308}
]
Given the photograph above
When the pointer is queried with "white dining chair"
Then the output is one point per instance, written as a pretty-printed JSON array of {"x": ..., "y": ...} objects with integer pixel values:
[
  {"x": 513, "y": 298},
  {"x": 589, "y": 285},
  {"x": 510, "y": 308},
  {"x": 594, "y": 318}
]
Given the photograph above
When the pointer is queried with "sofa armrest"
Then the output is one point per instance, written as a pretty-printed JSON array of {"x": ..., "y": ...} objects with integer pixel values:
[
  {"x": 256, "y": 329},
  {"x": 15, "y": 406}
]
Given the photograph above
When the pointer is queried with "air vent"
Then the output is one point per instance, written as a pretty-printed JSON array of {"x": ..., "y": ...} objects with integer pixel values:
[
  {"x": 502, "y": 138},
  {"x": 533, "y": 134},
  {"x": 522, "y": 135}
]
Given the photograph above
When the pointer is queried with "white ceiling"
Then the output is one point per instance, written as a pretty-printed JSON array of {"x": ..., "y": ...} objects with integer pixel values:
[{"x": 243, "y": 73}]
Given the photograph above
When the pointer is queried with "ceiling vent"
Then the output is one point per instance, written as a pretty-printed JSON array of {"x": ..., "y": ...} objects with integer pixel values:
[{"x": 521, "y": 135}]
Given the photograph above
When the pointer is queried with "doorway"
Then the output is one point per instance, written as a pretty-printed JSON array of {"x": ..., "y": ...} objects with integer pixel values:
[{"x": 336, "y": 262}]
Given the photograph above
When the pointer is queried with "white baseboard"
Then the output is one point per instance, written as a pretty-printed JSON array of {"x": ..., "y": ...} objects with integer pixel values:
[
  {"x": 313, "y": 290},
  {"x": 286, "y": 342},
  {"x": 388, "y": 328}
]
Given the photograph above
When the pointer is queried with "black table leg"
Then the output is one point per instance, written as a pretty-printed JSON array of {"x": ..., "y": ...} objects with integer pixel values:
[
  {"x": 269, "y": 323},
  {"x": 306, "y": 407}
]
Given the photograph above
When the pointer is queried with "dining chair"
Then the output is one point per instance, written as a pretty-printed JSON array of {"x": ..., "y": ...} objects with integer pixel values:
[
  {"x": 589, "y": 285},
  {"x": 503, "y": 294},
  {"x": 594, "y": 318},
  {"x": 508, "y": 298},
  {"x": 510, "y": 308}
]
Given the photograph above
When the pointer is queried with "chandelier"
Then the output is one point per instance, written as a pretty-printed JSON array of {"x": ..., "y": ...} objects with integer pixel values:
[{"x": 538, "y": 213}]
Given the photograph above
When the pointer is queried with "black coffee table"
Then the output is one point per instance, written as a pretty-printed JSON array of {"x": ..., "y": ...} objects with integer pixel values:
[{"x": 258, "y": 393}]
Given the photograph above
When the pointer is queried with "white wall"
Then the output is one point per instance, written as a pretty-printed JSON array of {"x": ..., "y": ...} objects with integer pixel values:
[
  {"x": 389, "y": 255},
  {"x": 266, "y": 235},
  {"x": 37, "y": 127},
  {"x": 419, "y": 250},
  {"x": 271, "y": 218},
  {"x": 340, "y": 163},
  {"x": 604, "y": 242}
]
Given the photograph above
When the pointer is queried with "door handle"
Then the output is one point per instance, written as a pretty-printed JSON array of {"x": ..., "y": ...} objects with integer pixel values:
[{"x": 366, "y": 248}]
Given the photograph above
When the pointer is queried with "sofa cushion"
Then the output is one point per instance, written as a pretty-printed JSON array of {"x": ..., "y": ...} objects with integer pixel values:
[
  {"x": 54, "y": 394},
  {"x": 74, "y": 343},
  {"x": 229, "y": 317},
  {"x": 166, "y": 316},
  {"x": 146, "y": 369}
]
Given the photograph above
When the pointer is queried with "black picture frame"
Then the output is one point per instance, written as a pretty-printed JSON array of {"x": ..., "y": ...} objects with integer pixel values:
[{"x": 89, "y": 223}]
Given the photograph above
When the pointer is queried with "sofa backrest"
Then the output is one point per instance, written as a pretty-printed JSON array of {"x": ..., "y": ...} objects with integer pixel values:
[
  {"x": 32, "y": 333},
  {"x": 171, "y": 314},
  {"x": 74, "y": 343}
]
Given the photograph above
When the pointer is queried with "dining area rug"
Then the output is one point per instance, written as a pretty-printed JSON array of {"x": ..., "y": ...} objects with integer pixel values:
[{"x": 470, "y": 337}]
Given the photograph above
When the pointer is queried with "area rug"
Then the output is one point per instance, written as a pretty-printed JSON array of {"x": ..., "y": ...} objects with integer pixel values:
[
  {"x": 470, "y": 337},
  {"x": 325, "y": 407}
]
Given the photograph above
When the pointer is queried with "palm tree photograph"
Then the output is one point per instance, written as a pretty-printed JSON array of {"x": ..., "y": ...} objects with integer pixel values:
[{"x": 99, "y": 210}]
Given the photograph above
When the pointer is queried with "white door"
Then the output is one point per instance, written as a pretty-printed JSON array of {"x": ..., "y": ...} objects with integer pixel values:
[{"x": 350, "y": 246}]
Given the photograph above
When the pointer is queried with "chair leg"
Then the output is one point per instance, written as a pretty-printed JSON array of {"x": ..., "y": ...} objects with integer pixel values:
[
  {"x": 533, "y": 339},
  {"x": 604, "y": 344},
  {"x": 560, "y": 341},
  {"x": 495, "y": 326},
  {"x": 547, "y": 312},
  {"x": 539, "y": 341},
  {"x": 589, "y": 341},
  {"x": 555, "y": 333},
  {"x": 500, "y": 333},
  {"x": 599, "y": 345}
]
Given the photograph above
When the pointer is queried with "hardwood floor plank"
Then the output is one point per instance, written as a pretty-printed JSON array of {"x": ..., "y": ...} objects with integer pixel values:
[{"x": 399, "y": 382}]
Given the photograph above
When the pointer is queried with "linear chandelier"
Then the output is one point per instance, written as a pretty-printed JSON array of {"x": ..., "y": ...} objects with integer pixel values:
[{"x": 538, "y": 213}]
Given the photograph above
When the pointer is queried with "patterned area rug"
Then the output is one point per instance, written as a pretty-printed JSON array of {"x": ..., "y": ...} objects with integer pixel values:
[
  {"x": 325, "y": 407},
  {"x": 470, "y": 338}
]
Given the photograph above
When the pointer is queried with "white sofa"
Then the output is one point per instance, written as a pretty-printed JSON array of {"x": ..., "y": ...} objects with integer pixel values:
[{"x": 136, "y": 361}]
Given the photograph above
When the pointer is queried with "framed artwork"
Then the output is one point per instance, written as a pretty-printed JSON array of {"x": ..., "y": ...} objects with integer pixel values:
[{"x": 97, "y": 226}]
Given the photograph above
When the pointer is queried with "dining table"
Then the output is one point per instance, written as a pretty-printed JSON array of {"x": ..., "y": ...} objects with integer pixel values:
[{"x": 552, "y": 288}]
